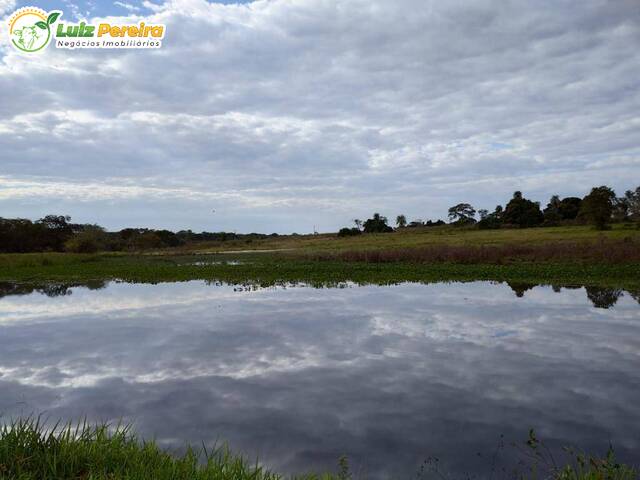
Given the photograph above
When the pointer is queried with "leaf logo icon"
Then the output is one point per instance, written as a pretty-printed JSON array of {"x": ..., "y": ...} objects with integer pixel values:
[{"x": 30, "y": 28}]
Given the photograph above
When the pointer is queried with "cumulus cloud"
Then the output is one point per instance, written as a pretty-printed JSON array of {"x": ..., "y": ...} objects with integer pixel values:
[{"x": 339, "y": 107}]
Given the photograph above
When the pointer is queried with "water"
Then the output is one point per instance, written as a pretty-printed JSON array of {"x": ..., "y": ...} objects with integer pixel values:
[{"x": 388, "y": 375}]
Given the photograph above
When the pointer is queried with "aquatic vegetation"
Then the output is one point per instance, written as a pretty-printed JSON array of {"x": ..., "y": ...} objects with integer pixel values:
[{"x": 277, "y": 268}]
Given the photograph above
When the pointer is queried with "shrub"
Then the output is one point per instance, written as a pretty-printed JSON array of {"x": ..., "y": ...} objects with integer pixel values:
[
  {"x": 490, "y": 222},
  {"x": 349, "y": 232},
  {"x": 90, "y": 240}
]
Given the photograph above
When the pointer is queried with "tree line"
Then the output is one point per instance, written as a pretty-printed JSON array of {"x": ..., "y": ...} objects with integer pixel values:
[
  {"x": 56, "y": 233},
  {"x": 600, "y": 207}
]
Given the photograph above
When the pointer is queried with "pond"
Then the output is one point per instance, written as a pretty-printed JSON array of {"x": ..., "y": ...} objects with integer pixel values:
[{"x": 298, "y": 376}]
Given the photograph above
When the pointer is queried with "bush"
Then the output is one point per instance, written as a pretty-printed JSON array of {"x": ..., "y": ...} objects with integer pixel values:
[
  {"x": 491, "y": 222},
  {"x": 90, "y": 240},
  {"x": 349, "y": 232}
]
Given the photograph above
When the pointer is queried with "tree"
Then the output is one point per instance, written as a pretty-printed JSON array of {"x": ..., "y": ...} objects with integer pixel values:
[
  {"x": 462, "y": 213},
  {"x": 522, "y": 212},
  {"x": 603, "y": 297},
  {"x": 552, "y": 210},
  {"x": 520, "y": 288},
  {"x": 170, "y": 239},
  {"x": 401, "y": 221},
  {"x": 145, "y": 241},
  {"x": 56, "y": 222},
  {"x": 484, "y": 213},
  {"x": 597, "y": 207},
  {"x": 569, "y": 208},
  {"x": 561, "y": 210},
  {"x": 490, "y": 221},
  {"x": 377, "y": 224},
  {"x": 20, "y": 235},
  {"x": 358, "y": 223},
  {"x": 52, "y": 231},
  {"x": 437, "y": 223}
]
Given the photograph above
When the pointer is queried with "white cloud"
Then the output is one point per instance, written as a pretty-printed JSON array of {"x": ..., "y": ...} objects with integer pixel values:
[
  {"x": 342, "y": 107},
  {"x": 7, "y": 6},
  {"x": 127, "y": 6}
]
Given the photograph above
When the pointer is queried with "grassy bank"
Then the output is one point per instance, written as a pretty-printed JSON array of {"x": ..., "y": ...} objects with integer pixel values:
[
  {"x": 28, "y": 451},
  {"x": 270, "y": 269},
  {"x": 576, "y": 255}
]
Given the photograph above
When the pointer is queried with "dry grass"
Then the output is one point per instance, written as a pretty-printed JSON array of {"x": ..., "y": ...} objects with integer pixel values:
[
  {"x": 424, "y": 237},
  {"x": 603, "y": 250}
]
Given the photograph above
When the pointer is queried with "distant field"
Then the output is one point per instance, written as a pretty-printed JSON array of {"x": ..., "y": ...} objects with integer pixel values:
[{"x": 420, "y": 237}]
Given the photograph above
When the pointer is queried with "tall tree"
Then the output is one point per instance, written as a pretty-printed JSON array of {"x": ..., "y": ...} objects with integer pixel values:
[
  {"x": 377, "y": 224},
  {"x": 401, "y": 221},
  {"x": 552, "y": 210},
  {"x": 569, "y": 208},
  {"x": 597, "y": 207},
  {"x": 522, "y": 212},
  {"x": 462, "y": 213}
]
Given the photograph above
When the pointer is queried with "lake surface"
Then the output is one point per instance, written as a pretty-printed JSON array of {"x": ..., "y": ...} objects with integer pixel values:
[{"x": 388, "y": 375}]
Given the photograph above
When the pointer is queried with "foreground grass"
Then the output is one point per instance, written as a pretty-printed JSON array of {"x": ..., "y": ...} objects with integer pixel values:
[{"x": 29, "y": 451}]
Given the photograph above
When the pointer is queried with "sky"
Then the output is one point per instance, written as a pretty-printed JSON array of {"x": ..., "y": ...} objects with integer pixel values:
[{"x": 289, "y": 115}]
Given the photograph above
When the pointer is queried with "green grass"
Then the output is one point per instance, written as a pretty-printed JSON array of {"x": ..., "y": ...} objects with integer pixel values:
[
  {"x": 420, "y": 237},
  {"x": 270, "y": 269},
  {"x": 29, "y": 451},
  {"x": 316, "y": 260}
]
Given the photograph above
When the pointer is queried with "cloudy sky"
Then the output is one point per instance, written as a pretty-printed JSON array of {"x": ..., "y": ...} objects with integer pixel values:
[{"x": 285, "y": 114}]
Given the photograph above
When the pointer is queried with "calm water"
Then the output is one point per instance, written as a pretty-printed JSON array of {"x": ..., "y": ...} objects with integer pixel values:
[{"x": 299, "y": 376}]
